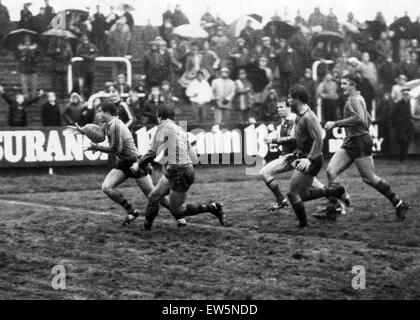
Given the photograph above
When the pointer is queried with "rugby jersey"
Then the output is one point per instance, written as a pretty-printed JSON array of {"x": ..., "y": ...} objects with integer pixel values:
[
  {"x": 120, "y": 139},
  {"x": 173, "y": 141},
  {"x": 308, "y": 135},
  {"x": 357, "y": 119}
]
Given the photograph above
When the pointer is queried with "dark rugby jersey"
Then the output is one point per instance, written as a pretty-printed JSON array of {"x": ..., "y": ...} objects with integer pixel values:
[
  {"x": 357, "y": 119},
  {"x": 308, "y": 135}
]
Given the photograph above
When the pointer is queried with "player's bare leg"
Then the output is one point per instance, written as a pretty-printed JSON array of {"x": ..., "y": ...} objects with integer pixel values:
[
  {"x": 267, "y": 173},
  {"x": 299, "y": 184},
  {"x": 111, "y": 182},
  {"x": 160, "y": 191},
  {"x": 339, "y": 163},
  {"x": 366, "y": 169}
]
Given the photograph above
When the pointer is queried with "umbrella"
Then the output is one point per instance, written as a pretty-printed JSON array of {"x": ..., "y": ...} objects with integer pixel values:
[
  {"x": 59, "y": 33},
  {"x": 14, "y": 38},
  {"x": 255, "y": 75},
  {"x": 239, "y": 24},
  {"x": 412, "y": 84},
  {"x": 415, "y": 92},
  {"x": 129, "y": 6},
  {"x": 190, "y": 31},
  {"x": 328, "y": 36},
  {"x": 283, "y": 29}
]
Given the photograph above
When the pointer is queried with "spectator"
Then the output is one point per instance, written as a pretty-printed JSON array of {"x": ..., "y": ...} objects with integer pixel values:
[
  {"x": 193, "y": 63},
  {"x": 383, "y": 116},
  {"x": 210, "y": 61},
  {"x": 388, "y": 72},
  {"x": 89, "y": 53},
  {"x": 49, "y": 11},
  {"x": 26, "y": 17},
  {"x": 40, "y": 22},
  {"x": 402, "y": 124},
  {"x": 328, "y": 92},
  {"x": 207, "y": 20},
  {"x": 310, "y": 85},
  {"x": 4, "y": 21},
  {"x": 128, "y": 16},
  {"x": 111, "y": 18},
  {"x": 367, "y": 90},
  {"x": 136, "y": 106},
  {"x": 179, "y": 17},
  {"x": 61, "y": 55},
  {"x": 50, "y": 112},
  {"x": 118, "y": 42},
  {"x": 384, "y": 47},
  {"x": 286, "y": 66},
  {"x": 220, "y": 45},
  {"x": 368, "y": 69},
  {"x": 176, "y": 64},
  {"x": 396, "y": 93},
  {"x": 249, "y": 35},
  {"x": 29, "y": 55},
  {"x": 99, "y": 27},
  {"x": 331, "y": 22},
  {"x": 223, "y": 93},
  {"x": 319, "y": 52},
  {"x": 352, "y": 20},
  {"x": 151, "y": 106},
  {"x": 157, "y": 64},
  {"x": 166, "y": 93},
  {"x": 122, "y": 86},
  {"x": 316, "y": 18},
  {"x": 240, "y": 55},
  {"x": 123, "y": 111},
  {"x": 149, "y": 32},
  {"x": 268, "y": 51},
  {"x": 243, "y": 97},
  {"x": 17, "y": 107},
  {"x": 299, "y": 20},
  {"x": 354, "y": 51},
  {"x": 168, "y": 15},
  {"x": 79, "y": 87},
  {"x": 407, "y": 67},
  {"x": 200, "y": 94},
  {"x": 73, "y": 111},
  {"x": 219, "y": 21},
  {"x": 268, "y": 111}
]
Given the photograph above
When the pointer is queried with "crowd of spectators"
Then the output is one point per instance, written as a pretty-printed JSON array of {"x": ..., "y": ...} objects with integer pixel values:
[{"x": 249, "y": 74}]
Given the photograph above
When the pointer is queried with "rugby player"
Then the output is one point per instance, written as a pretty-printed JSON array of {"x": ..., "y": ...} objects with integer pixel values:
[
  {"x": 171, "y": 141},
  {"x": 358, "y": 144},
  {"x": 121, "y": 144},
  {"x": 285, "y": 139},
  {"x": 306, "y": 160}
]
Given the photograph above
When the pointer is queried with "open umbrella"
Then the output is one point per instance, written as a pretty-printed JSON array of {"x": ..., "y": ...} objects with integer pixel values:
[
  {"x": 412, "y": 84},
  {"x": 59, "y": 33},
  {"x": 239, "y": 24},
  {"x": 328, "y": 36},
  {"x": 14, "y": 38},
  {"x": 190, "y": 31},
  {"x": 283, "y": 29},
  {"x": 255, "y": 75},
  {"x": 415, "y": 92}
]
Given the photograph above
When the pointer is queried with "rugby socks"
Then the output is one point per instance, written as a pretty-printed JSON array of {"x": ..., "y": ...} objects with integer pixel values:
[
  {"x": 299, "y": 208},
  {"x": 273, "y": 185},
  {"x": 127, "y": 206},
  {"x": 384, "y": 188},
  {"x": 152, "y": 211},
  {"x": 313, "y": 194},
  {"x": 193, "y": 210}
]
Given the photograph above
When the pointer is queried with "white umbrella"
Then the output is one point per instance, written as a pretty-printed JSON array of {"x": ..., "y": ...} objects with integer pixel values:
[
  {"x": 412, "y": 84},
  {"x": 415, "y": 92},
  {"x": 239, "y": 24},
  {"x": 190, "y": 31}
]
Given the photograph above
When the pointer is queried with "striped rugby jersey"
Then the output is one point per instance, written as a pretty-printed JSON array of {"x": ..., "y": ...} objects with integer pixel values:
[
  {"x": 308, "y": 135},
  {"x": 120, "y": 139}
]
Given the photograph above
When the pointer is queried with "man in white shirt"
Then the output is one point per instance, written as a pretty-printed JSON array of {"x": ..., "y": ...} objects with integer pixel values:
[
  {"x": 200, "y": 94},
  {"x": 223, "y": 92}
]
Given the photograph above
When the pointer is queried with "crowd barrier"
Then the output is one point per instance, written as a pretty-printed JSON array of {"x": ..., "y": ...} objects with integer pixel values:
[{"x": 53, "y": 147}]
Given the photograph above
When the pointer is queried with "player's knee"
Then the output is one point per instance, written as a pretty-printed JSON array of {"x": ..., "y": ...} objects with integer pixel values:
[
  {"x": 107, "y": 189},
  {"x": 154, "y": 198},
  {"x": 370, "y": 180},
  {"x": 331, "y": 173}
]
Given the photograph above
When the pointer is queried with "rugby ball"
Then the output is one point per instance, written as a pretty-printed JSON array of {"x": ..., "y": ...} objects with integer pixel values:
[{"x": 94, "y": 133}]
